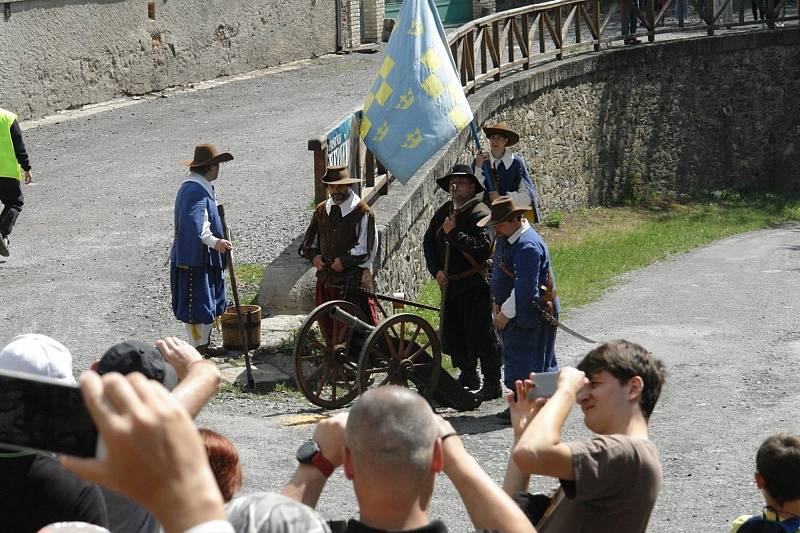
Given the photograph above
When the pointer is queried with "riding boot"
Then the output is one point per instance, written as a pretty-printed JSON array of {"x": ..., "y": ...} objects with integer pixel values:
[
  {"x": 491, "y": 390},
  {"x": 469, "y": 379}
]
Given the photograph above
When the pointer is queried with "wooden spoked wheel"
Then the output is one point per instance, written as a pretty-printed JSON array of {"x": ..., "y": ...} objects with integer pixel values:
[
  {"x": 403, "y": 350},
  {"x": 326, "y": 357}
]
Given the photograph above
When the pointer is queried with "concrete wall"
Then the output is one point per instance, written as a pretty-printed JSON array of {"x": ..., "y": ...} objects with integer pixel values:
[
  {"x": 679, "y": 117},
  {"x": 58, "y": 54}
]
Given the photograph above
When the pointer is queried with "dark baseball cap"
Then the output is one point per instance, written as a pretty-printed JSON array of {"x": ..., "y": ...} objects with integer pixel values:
[{"x": 137, "y": 356}]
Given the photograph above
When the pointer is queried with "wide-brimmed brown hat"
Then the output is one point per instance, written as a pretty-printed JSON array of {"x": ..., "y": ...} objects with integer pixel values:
[
  {"x": 459, "y": 171},
  {"x": 501, "y": 210},
  {"x": 501, "y": 129},
  {"x": 338, "y": 176},
  {"x": 206, "y": 154}
]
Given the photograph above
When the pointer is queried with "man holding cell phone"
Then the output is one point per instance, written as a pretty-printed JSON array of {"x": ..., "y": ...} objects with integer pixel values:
[{"x": 609, "y": 482}]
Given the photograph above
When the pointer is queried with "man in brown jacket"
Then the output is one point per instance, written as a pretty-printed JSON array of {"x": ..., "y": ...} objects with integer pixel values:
[{"x": 340, "y": 243}]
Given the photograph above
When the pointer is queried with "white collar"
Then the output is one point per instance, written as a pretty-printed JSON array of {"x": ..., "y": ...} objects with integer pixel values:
[
  {"x": 507, "y": 159},
  {"x": 201, "y": 180},
  {"x": 347, "y": 206},
  {"x": 522, "y": 229}
]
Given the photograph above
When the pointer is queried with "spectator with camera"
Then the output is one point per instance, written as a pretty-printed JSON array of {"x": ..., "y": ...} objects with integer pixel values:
[
  {"x": 778, "y": 478},
  {"x": 34, "y": 489},
  {"x": 609, "y": 482},
  {"x": 142, "y": 424},
  {"x": 391, "y": 446},
  {"x": 192, "y": 380}
]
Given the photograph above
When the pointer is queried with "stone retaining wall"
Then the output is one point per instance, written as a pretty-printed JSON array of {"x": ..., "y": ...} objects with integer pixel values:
[
  {"x": 682, "y": 117},
  {"x": 58, "y": 54}
]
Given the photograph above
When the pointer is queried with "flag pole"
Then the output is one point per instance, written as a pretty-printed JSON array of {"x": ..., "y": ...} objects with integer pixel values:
[{"x": 472, "y": 127}]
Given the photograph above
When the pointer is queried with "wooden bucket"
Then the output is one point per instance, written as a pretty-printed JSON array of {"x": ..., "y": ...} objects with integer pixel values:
[{"x": 231, "y": 338}]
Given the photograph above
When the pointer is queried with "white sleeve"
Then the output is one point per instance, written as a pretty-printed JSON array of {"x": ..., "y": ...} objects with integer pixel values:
[
  {"x": 206, "y": 236},
  {"x": 361, "y": 246},
  {"x": 509, "y": 307},
  {"x": 214, "y": 526}
]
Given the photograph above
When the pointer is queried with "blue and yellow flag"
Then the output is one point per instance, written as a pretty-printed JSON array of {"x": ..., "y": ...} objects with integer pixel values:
[{"x": 416, "y": 103}]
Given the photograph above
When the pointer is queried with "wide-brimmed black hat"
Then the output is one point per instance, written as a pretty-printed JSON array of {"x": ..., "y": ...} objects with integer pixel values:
[
  {"x": 338, "y": 176},
  {"x": 206, "y": 154},
  {"x": 463, "y": 171},
  {"x": 501, "y": 210},
  {"x": 501, "y": 129}
]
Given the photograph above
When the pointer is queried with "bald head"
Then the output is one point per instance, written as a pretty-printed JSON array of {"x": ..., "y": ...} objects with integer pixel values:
[{"x": 392, "y": 429}]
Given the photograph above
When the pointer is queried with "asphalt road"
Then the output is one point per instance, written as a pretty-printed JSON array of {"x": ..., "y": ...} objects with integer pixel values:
[
  {"x": 88, "y": 269},
  {"x": 723, "y": 318},
  {"x": 88, "y": 252}
]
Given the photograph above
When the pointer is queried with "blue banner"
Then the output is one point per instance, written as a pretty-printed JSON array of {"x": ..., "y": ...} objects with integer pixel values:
[{"x": 416, "y": 103}]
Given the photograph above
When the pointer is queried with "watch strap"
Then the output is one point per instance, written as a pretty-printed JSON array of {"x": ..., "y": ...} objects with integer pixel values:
[{"x": 322, "y": 464}]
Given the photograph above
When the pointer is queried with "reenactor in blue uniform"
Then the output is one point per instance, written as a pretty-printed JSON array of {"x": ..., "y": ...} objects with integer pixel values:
[
  {"x": 523, "y": 294},
  {"x": 197, "y": 259},
  {"x": 508, "y": 172}
]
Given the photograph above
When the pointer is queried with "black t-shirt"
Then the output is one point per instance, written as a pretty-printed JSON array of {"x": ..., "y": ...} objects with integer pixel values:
[
  {"x": 437, "y": 526},
  {"x": 36, "y": 491}
]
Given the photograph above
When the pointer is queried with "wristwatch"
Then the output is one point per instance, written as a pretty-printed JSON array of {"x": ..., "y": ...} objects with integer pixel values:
[{"x": 309, "y": 454}]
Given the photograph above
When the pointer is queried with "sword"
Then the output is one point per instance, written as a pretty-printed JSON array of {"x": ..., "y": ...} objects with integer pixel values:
[{"x": 554, "y": 322}]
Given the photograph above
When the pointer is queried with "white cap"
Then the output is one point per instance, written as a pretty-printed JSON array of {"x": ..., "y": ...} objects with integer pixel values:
[{"x": 39, "y": 355}]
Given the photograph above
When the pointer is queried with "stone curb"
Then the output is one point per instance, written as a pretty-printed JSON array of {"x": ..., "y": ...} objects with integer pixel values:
[{"x": 271, "y": 363}]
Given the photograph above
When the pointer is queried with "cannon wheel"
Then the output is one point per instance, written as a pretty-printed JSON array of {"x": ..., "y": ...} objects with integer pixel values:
[
  {"x": 403, "y": 350},
  {"x": 324, "y": 358}
]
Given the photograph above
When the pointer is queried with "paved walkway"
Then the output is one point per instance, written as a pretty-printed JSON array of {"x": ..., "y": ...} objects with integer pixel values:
[
  {"x": 723, "y": 318},
  {"x": 88, "y": 253}
]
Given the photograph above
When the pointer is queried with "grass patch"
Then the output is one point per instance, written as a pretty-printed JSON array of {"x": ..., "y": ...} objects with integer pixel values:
[
  {"x": 248, "y": 283},
  {"x": 553, "y": 220},
  {"x": 591, "y": 247}
]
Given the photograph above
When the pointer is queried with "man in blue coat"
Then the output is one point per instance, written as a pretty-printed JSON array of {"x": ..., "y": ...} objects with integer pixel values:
[
  {"x": 197, "y": 259},
  {"x": 523, "y": 293}
]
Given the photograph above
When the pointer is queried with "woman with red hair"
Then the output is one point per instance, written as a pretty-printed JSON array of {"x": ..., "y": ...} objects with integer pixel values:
[{"x": 224, "y": 460}]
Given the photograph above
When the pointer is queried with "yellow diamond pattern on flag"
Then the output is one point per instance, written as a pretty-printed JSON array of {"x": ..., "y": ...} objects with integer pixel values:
[
  {"x": 460, "y": 119},
  {"x": 368, "y": 101},
  {"x": 431, "y": 60},
  {"x": 386, "y": 67},
  {"x": 383, "y": 93},
  {"x": 366, "y": 124},
  {"x": 433, "y": 86},
  {"x": 416, "y": 103}
]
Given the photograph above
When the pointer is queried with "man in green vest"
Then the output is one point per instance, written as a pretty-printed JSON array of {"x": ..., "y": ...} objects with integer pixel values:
[{"x": 14, "y": 165}]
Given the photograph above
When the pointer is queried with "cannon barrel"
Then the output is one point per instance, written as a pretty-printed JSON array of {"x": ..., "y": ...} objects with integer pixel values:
[{"x": 357, "y": 325}]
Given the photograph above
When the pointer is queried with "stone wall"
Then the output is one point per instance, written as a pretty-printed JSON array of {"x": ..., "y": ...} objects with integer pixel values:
[
  {"x": 57, "y": 54},
  {"x": 681, "y": 117}
]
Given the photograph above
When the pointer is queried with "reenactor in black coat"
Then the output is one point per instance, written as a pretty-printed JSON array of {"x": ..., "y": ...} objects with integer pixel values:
[{"x": 468, "y": 336}]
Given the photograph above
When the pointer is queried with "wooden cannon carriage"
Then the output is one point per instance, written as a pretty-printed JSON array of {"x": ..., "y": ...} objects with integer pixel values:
[{"x": 338, "y": 355}]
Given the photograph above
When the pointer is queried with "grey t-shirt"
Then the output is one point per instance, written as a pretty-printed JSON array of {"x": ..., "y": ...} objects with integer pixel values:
[{"x": 617, "y": 479}]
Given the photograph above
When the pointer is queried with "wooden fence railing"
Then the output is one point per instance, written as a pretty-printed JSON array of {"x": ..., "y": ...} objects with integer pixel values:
[{"x": 487, "y": 48}]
